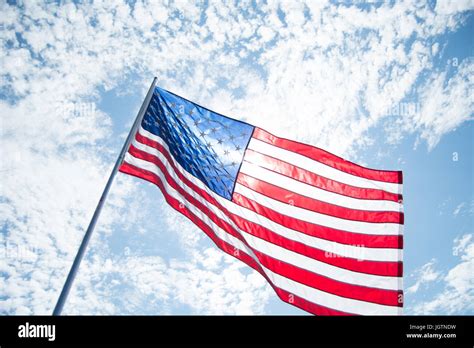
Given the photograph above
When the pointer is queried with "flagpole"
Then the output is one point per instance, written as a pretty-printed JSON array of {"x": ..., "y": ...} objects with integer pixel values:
[{"x": 82, "y": 249}]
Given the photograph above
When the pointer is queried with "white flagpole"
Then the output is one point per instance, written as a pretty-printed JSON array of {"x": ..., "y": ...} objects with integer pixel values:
[{"x": 80, "y": 253}]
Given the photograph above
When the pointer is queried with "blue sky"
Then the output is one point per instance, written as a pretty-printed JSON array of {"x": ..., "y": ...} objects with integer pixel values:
[{"x": 385, "y": 84}]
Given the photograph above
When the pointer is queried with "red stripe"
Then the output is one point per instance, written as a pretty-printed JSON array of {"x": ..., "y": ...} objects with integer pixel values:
[
  {"x": 365, "y": 266},
  {"x": 297, "y": 200},
  {"x": 328, "y": 158},
  {"x": 323, "y": 283},
  {"x": 313, "y": 179},
  {"x": 367, "y": 240},
  {"x": 229, "y": 249}
]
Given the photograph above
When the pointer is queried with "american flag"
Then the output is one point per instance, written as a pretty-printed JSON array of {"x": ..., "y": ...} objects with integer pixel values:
[{"x": 327, "y": 234}]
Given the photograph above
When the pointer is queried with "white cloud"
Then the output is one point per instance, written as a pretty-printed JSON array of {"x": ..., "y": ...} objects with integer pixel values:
[
  {"x": 326, "y": 81},
  {"x": 462, "y": 245},
  {"x": 445, "y": 103},
  {"x": 463, "y": 209},
  {"x": 457, "y": 210},
  {"x": 453, "y": 6},
  {"x": 424, "y": 275},
  {"x": 150, "y": 285},
  {"x": 457, "y": 294}
]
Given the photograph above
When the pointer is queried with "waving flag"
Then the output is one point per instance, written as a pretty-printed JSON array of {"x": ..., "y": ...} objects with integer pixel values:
[{"x": 324, "y": 232}]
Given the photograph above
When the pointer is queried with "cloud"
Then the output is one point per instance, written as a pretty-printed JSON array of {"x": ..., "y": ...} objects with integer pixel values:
[
  {"x": 458, "y": 209},
  {"x": 452, "y": 6},
  {"x": 424, "y": 275},
  {"x": 457, "y": 294},
  {"x": 464, "y": 209},
  {"x": 151, "y": 285},
  {"x": 322, "y": 73},
  {"x": 462, "y": 245},
  {"x": 446, "y": 103}
]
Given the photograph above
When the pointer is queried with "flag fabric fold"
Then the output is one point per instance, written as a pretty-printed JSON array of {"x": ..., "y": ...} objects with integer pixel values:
[{"x": 327, "y": 234}]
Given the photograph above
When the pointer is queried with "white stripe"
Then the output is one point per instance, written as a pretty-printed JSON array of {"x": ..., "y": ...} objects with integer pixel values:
[
  {"x": 353, "y": 251},
  {"x": 389, "y": 229},
  {"x": 311, "y": 191},
  {"x": 320, "y": 168},
  {"x": 320, "y": 297}
]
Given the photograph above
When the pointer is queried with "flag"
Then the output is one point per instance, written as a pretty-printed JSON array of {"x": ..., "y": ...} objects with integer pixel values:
[{"x": 324, "y": 232}]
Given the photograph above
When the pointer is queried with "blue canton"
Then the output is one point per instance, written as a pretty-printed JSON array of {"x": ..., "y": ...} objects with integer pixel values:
[{"x": 208, "y": 145}]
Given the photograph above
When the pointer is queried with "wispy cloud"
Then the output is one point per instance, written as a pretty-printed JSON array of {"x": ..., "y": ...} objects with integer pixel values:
[
  {"x": 464, "y": 209},
  {"x": 457, "y": 294},
  {"x": 424, "y": 275}
]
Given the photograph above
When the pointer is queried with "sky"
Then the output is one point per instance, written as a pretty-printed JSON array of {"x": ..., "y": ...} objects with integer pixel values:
[{"x": 388, "y": 85}]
